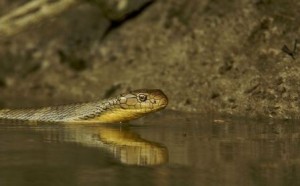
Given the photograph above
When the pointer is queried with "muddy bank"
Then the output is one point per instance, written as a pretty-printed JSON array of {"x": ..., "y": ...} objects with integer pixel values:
[{"x": 207, "y": 56}]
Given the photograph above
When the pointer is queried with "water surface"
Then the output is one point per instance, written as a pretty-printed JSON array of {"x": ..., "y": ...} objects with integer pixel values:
[{"x": 164, "y": 149}]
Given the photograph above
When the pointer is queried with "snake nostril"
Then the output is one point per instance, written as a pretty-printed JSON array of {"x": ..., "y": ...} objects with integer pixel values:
[{"x": 153, "y": 101}]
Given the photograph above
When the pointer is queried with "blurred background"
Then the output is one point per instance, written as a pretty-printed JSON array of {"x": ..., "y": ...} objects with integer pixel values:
[{"x": 206, "y": 55}]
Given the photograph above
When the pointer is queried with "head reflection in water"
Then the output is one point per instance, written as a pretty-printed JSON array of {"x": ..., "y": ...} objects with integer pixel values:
[
  {"x": 126, "y": 146},
  {"x": 131, "y": 149}
]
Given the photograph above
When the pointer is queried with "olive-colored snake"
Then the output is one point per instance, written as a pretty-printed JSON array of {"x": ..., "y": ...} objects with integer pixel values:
[{"x": 121, "y": 108}]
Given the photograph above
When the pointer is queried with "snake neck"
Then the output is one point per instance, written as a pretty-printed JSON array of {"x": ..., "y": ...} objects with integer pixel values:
[{"x": 82, "y": 112}]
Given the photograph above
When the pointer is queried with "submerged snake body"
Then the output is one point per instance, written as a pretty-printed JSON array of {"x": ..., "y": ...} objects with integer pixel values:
[{"x": 124, "y": 107}]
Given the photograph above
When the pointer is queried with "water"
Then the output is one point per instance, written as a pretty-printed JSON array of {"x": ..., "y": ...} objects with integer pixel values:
[{"x": 164, "y": 149}]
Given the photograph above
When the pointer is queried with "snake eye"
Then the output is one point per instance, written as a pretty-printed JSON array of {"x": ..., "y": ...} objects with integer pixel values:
[{"x": 142, "y": 97}]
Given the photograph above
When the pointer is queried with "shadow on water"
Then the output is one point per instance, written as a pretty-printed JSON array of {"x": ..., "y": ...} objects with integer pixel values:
[{"x": 165, "y": 149}]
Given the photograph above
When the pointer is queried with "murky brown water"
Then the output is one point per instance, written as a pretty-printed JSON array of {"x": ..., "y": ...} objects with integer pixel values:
[{"x": 164, "y": 149}]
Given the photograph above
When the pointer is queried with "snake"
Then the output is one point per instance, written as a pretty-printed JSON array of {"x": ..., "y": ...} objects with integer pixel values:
[{"x": 124, "y": 107}]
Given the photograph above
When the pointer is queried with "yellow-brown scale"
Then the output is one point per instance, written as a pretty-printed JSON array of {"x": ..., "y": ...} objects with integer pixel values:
[{"x": 124, "y": 107}]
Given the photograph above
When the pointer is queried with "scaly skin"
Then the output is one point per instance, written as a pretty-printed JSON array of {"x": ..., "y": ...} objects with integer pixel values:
[{"x": 124, "y": 107}]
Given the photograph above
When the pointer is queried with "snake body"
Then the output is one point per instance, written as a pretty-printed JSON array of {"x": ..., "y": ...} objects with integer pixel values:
[{"x": 121, "y": 108}]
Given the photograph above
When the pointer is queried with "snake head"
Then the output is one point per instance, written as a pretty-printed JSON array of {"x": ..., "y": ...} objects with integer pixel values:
[
  {"x": 144, "y": 101},
  {"x": 132, "y": 105}
]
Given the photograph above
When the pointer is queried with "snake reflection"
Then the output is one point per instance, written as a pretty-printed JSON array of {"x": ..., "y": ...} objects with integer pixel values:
[{"x": 126, "y": 146}]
